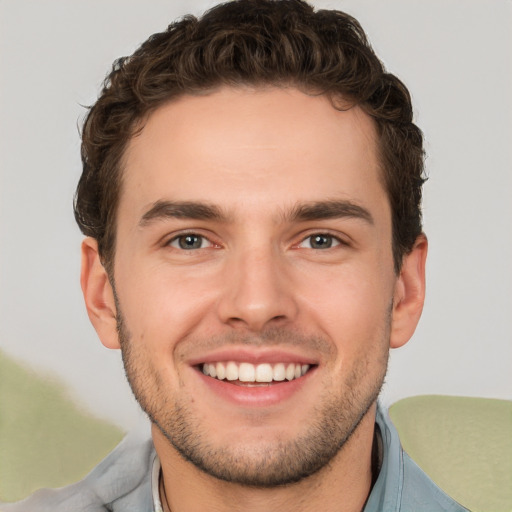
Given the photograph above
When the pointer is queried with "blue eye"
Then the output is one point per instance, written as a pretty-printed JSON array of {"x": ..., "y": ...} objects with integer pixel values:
[
  {"x": 320, "y": 241},
  {"x": 188, "y": 242}
]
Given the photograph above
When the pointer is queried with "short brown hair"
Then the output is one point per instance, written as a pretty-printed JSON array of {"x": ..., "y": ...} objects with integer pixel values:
[{"x": 250, "y": 42}]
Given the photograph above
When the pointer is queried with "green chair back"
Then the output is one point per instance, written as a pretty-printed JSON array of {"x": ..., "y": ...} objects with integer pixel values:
[
  {"x": 464, "y": 444},
  {"x": 46, "y": 440}
]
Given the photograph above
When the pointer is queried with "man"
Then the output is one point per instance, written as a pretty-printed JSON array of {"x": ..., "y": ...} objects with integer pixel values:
[{"x": 251, "y": 200}]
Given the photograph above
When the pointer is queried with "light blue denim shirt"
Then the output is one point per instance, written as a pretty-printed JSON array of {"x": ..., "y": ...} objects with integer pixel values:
[
  {"x": 401, "y": 485},
  {"x": 125, "y": 482}
]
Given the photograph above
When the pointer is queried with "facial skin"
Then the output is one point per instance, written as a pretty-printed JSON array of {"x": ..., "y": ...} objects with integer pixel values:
[{"x": 288, "y": 260}]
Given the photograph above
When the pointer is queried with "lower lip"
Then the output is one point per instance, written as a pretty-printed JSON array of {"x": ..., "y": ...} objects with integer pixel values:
[{"x": 255, "y": 396}]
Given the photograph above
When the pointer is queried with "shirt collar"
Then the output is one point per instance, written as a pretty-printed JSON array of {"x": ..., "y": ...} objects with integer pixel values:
[{"x": 155, "y": 487}]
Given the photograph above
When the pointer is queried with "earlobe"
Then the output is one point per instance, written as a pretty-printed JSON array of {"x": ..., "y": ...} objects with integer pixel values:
[
  {"x": 409, "y": 294},
  {"x": 98, "y": 294}
]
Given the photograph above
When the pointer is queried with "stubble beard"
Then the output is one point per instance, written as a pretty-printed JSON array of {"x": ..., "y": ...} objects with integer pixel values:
[{"x": 273, "y": 463}]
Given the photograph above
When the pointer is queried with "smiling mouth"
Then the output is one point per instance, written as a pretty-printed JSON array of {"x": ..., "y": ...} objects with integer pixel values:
[{"x": 255, "y": 374}]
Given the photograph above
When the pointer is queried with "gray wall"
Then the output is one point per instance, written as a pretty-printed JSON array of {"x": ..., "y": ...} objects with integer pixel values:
[{"x": 456, "y": 57}]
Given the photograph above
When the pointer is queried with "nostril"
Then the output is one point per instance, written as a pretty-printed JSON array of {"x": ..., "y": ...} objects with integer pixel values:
[
  {"x": 235, "y": 321},
  {"x": 254, "y": 324}
]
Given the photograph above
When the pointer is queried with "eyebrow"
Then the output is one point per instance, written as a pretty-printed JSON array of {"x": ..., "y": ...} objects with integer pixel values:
[
  {"x": 332, "y": 209},
  {"x": 301, "y": 212},
  {"x": 161, "y": 210}
]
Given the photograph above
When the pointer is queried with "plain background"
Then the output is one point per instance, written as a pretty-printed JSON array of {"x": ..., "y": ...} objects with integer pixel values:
[{"x": 454, "y": 55}]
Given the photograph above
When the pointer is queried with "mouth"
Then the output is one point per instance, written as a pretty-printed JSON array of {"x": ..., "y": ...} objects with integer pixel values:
[{"x": 251, "y": 375}]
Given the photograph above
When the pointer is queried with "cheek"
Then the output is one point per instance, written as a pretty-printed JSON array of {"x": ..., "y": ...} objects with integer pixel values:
[
  {"x": 162, "y": 304},
  {"x": 350, "y": 306}
]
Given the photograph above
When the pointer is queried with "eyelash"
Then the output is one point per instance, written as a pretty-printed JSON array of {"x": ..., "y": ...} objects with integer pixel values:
[
  {"x": 334, "y": 241},
  {"x": 176, "y": 239}
]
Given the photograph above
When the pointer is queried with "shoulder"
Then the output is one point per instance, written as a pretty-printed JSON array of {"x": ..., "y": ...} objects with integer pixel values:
[
  {"x": 401, "y": 485},
  {"x": 121, "y": 481},
  {"x": 421, "y": 493}
]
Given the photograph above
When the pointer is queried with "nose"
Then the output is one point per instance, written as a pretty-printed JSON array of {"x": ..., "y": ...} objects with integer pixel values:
[{"x": 257, "y": 293}]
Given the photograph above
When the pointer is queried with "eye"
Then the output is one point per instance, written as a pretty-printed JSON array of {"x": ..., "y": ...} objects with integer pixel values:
[
  {"x": 319, "y": 241},
  {"x": 189, "y": 242}
]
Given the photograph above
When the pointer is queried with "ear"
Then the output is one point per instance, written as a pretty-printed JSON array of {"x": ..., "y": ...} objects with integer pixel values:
[
  {"x": 98, "y": 294},
  {"x": 409, "y": 294}
]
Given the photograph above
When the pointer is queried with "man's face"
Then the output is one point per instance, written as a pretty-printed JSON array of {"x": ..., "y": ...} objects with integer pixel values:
[{"x": 254, "y": 242}]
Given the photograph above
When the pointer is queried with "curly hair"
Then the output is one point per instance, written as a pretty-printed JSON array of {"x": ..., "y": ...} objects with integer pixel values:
[{"x": 257, "y": 43}]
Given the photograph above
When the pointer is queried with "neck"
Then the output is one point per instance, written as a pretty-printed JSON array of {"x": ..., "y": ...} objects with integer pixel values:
[{"x": 342, "y": 486}]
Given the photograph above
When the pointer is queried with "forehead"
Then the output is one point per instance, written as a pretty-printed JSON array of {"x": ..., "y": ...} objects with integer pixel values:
[{"x": 238, "y": 146}]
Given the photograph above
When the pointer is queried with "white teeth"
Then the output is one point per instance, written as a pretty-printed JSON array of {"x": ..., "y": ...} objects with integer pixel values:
[
  {"x": 221, "y": 371},
  {"x": 264, "y": 373},
  {"x": 231, "y": 371},
  {"x": 279, "y": 372},
  {"x": 290, "y": 372},
  {"x": 247, "y": 372}
]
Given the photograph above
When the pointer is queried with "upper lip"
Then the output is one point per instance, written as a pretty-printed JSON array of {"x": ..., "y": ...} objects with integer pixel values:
[{"x": 251, "y": 355}]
